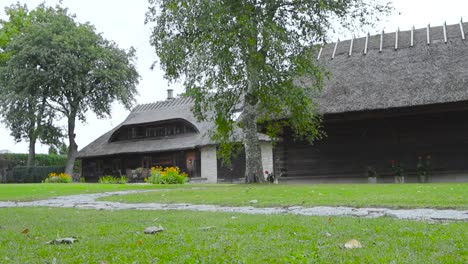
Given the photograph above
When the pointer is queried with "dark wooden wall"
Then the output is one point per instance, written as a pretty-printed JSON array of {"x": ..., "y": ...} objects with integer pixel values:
[
  {"x": 188, "y": 161},
  {"x": 234, "y": 172},
  {"x": 351, "y": 145}
]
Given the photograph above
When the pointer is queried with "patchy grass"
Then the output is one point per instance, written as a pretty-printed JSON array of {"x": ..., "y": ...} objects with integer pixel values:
[
  {"x": 29, "y": 192},
  {"x": 444, "y": 195},
  {"x": 117, "y": 237}
]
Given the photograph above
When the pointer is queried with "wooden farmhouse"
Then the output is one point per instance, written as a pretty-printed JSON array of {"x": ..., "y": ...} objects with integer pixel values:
[
  {"x": 393, "y": 97},
  {"x": 163, "y": 134},
  {"x": 390, "y": 97}
]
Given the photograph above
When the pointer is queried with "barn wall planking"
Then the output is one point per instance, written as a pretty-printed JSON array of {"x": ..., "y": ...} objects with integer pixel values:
[{"x": 352, "y": 145}]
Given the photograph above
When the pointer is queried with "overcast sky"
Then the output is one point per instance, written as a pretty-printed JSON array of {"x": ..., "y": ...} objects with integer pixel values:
[{"x": 123, "y": 22}]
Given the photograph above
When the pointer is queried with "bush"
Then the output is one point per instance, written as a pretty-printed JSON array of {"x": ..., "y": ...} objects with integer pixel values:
[
  {"x": 32, "y": 174},
  {"x": 19, "y": 159},
  {"x": 168, "y": 175},
  {"x": 58, "y": 178},
  {"x": 107, "y": 179}
]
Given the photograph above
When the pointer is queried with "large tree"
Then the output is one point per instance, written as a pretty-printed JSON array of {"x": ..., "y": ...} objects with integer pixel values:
[
  {"x": 82, "y": 70},
  {"x": 24, "y": 110},
  {"x": 251, "y": 53}
]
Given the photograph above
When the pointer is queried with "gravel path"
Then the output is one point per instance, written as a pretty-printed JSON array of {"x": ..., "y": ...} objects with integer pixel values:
[{"x": 88, "y": 201}]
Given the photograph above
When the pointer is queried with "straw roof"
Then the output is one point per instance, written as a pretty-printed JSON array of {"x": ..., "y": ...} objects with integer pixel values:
[
  {"x": 399, "y": 71},
  {"x": 175, "y": 109},
  {"x": 399, "y": 75}
]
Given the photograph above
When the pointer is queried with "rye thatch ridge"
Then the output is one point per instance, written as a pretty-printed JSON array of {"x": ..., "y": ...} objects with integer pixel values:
[{"x": 399, "y": 74}]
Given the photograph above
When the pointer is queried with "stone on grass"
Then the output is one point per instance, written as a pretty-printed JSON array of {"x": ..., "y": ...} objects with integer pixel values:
[
  {"x": 253, "y": 202},
  {"x": 353, "y": 243},
  {"x": 65, "y": 240},
  {"x": 151, "y": 230},
  {"x": 205, "y": 228}
]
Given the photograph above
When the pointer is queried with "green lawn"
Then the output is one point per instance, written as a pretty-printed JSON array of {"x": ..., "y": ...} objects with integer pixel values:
[
  {"x": 117, "y": 237},
  {"x": 444, "y": 195},
  {"x": 29, "y": 192}
]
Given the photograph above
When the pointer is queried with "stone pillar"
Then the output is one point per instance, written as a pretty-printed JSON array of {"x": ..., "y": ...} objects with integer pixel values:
[
  {"x": 209, "y": 164},
  {"x": 267, "y": 156}
]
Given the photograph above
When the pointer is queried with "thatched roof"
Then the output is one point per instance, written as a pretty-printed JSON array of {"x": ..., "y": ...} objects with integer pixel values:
[
  {"x": 175, "y": 109},
  {"x": 396, "y": 76}
]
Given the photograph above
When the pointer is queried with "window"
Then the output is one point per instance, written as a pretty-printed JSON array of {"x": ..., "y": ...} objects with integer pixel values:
[{"x": 166, "y": 129}]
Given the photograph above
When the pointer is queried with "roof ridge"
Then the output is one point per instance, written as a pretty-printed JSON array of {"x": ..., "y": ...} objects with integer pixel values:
[
  {"x": 394, "y": 40},
  {"x": 180, "y": 101}
]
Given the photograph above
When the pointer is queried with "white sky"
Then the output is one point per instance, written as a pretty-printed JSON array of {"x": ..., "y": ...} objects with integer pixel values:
[{"x": 123, "y": 22}]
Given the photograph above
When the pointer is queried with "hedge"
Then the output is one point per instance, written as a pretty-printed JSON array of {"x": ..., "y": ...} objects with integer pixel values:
[
  {"x": 32, "y": 174},
  {"x": 15, "y": 159},
  {"x": 12, "y": 160}
]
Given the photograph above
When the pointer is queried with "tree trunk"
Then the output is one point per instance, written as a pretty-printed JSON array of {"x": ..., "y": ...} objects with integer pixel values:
[
  {"x": 72, "y": 146},
  {"x": 32, "y": 135},
  {"x": 32, "y": 152},
  {"x": 253, "y": 154}
]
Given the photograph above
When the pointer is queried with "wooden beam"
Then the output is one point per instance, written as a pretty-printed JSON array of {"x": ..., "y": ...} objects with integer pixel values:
[
  {"x": 366, "y": 43},
  {"x": 428, "y": 32},
  {"x": 444, "y": 27},
  {"x": 412, "y": 37},
  {"x": 351, "y": 46},
  {"x": 461, "y": 29},
  {"x": 396, "y": 38},
  {"x": 381, "y": 41},
  {"x": 320, "y": 52},
  {"x": 334, "y": 50}
]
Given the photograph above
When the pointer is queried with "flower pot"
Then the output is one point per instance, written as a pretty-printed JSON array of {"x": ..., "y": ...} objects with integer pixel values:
[{"x": 371, "y": 179}]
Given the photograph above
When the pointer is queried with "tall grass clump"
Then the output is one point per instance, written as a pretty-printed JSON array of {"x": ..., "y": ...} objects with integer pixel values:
[{"x": 108, "y": 179}]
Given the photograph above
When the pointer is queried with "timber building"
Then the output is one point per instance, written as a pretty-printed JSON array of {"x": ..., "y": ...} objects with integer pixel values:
[
  {"x": 390, "y": 97},
  {"x": 164, "y": 133},
  {"x": 393, "y": 96}
]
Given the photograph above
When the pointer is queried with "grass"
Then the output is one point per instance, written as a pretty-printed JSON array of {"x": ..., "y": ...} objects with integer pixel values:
[
  {"x": 446, "y": 195},
  {"x": 29, "y": 192},
  {"x": 117, "y": 237}
]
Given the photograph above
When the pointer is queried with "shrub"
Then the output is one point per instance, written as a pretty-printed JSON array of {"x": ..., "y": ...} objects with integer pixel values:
[
  {"x": 58, "y": 178},
  {"x": 19, "y": 159},
  {"x": 108, "y": 179},
  {"x": 33, "y": 174},
  {"x": 168, "y": 175}
]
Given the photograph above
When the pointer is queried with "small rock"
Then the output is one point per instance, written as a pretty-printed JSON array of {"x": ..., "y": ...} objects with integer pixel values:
[
  {"x": 253, "y": 202},
  {"x": 65, "y": 240},
  {"x": 328, "y": 234},
  {"x": 205, "y": 228},
  {"x": 353, "y": 243},
  {"x": 153, "y": 230}
]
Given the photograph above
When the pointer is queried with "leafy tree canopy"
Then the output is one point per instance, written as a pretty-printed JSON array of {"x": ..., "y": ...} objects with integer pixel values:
[
  {"x": 250, "y": 53},
  {"x": 69, "y": 66},
  {"x": 24, "y": 111}
]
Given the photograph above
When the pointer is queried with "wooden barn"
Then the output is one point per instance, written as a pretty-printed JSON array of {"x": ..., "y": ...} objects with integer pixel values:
[
  {"x": 390, "y": 97},
  {"x": 164, "y": 134}
]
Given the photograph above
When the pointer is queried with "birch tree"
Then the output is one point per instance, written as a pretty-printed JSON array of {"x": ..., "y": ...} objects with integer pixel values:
[{"x": 249, "y": 53}]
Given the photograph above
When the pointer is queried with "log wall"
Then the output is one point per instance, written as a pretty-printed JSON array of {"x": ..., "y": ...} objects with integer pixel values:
[{"x": 352, "y": 145}]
